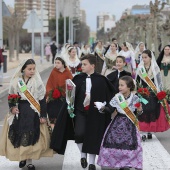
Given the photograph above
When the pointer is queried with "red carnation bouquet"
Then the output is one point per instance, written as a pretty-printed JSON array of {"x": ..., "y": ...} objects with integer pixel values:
[
  {"x": 162, "y": 99},
  {"x": 55, "y": 94},
  {"x": 143, "y": 92},
  {"x": 14, "y": 100},
  {"x": 161, "y": 95},
  {"x": 137, "y": 105}
]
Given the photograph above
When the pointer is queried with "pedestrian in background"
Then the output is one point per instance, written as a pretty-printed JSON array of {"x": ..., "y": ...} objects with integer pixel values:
[
  {"x": 1, "y": 66},
  {"x": 53, "y": 51},
  {"x": 48, "y": 51}
]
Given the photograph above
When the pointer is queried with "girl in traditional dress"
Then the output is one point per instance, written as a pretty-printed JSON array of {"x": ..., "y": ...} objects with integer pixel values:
[
  {"x": 121, "y": 145},
  {"x": 110, "y": 60},
  {"x": 99, "y": 53},
  {"x": 72, "y": 61},
  {"x": 85, "y": 50},
  {"x": 25, "y": 134},
  {"x": 163, "y": 62},
  {"x": 153, "y": 118},
  {"x": 64, "y": 49},
  {"x": 56, "y": 80},
  {"x": 138, "y": 52},
  {"x": 128, "y": 52}
]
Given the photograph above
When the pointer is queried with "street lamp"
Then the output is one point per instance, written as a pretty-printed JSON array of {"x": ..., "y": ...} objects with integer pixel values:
[{"x": 57, "y": 32}]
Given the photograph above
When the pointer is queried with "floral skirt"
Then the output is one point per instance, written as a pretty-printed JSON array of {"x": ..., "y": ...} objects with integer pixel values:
[
  {"x": 40, "y": 149},
  {"x": 121, "y": 145}
]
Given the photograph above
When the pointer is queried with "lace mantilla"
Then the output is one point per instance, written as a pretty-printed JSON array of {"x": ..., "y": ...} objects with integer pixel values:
[{"x": 131, "y": 101}]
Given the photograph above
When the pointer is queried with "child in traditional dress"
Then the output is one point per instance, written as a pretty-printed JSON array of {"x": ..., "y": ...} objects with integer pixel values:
[
  {"x": 153, "y": 118},
  {"x": 56, "y": 81},
  {"x": 121, "y": 145},
  {"x": 25, "y": 134}
]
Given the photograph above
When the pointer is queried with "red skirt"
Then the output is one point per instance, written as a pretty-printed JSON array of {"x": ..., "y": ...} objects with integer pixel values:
[{"x": 160, "y": 125}]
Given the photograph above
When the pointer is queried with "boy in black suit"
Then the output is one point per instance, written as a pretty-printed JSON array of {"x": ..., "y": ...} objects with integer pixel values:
[{"x": 120, "y": 72}]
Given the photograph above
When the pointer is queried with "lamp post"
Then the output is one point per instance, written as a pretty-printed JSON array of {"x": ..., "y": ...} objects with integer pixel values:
[
  {"x": 42, "y": 32},
  {"x": 57, "y": 32},
  {"x": 1, "y": 25}
]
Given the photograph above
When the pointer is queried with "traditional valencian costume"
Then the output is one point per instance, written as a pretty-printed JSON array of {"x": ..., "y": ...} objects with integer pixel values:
[
  {"x": 121, "y": 145},
  {"x": 56, "y": 81},
  {"x": 109, "y": 63},
  {"x": 129, "y": 57},
  {"x": 164, "y": 64},
  {"x": 153, "y": 118},
  {"x": 138, "y": 53},
  {"x": 98, "y": 52},
  {"x": 23, "y": 137},
  {"x": 74, "y": 66}
]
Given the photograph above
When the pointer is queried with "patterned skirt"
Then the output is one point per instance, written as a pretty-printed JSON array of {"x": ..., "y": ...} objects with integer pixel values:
[{"x": 121, "y": 145}]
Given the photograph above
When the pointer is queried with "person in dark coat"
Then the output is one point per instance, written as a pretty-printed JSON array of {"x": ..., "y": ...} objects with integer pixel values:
[
  {"x": 114, "y": 76},
  {"x": 53, "y": 51},
  {"x": 89, "y": 125},
  {"x": 1, "y": 64}
]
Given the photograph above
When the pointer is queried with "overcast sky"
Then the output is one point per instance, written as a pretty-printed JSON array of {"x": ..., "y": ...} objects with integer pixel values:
[{"x": 93, "y": 7}]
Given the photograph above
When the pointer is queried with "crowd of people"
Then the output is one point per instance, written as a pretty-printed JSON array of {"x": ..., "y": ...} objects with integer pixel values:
[{"x": 121, "y": 98}]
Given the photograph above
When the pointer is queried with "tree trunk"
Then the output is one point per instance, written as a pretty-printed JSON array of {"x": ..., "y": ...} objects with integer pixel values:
[
  {"x": 155, "y": 38},
  {"x": 11, "y": 40},
  {"x": 17, "y": 44}
]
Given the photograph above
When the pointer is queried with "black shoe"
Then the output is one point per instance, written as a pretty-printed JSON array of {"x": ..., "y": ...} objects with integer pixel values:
[
  {"x": 31, "y": 167},
  {"x": 22, "y": 164},
  {"x": 143, "y": 138},
  {"x": 149, "y": 135},
  {"x": 1, "y": 85},
  {"x": 83, "y": 162},
  {"x": 92, "y": 167}
]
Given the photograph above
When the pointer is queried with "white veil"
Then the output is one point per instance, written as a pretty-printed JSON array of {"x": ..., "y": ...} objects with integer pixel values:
[
  {"x": 129, "y": 46},
  {"x": 155, "y": 70},
  {"x": 35, "y": 84}
]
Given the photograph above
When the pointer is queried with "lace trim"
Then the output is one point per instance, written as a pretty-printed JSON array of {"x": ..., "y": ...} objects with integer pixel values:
[{"x": 19, "y": 138}]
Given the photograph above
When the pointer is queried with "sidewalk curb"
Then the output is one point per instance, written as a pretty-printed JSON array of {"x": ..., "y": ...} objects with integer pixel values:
[{"x": 5, "y": 91}]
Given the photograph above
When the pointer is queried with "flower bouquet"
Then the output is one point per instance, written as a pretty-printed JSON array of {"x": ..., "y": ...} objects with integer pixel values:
[
  {"x": 142, "y": 93},
  {"x": 162, "y": 99},
  {"x": 55, "y": 94},
  {"x": 14, "y": 100},
  {"x": 78, "y": 70},
  {"x": 70, "y": 97}
]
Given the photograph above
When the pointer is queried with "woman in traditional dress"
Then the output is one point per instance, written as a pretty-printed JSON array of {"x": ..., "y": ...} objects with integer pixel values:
[
  {"x": 63, "y": 50},
  {"x": 138, "y": 52},
  {"x": 163, "y": 62},
  {"x": 128, "y": 52},
  {"x": 110, "y": 60},
  {"x": 25, "y": 134},
  {"x": 121, "y": 145},
  {"x": 56, "y": 80},
  {"x": 153, "y": 118},
  {"x": 99, "y": 53},
  {"x": 72, "y": 61},
  {"x": 85, "y": 50}
]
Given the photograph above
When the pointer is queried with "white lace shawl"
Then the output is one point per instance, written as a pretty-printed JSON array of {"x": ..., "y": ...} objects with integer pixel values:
[
  {"x": 131, "y": 101},
  {"x": 35, "y": 84}
]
